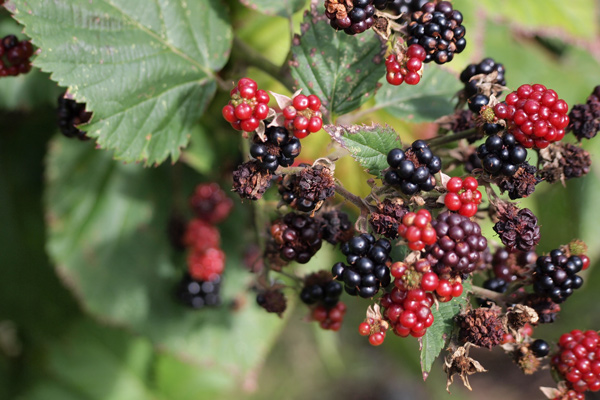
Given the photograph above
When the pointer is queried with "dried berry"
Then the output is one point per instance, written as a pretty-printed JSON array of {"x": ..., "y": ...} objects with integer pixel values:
[
  {"x": 336, "y": 227},
  {"x": 562, "y": 161},
  {"x": 250, "y": 181},
  {"x": 521, "y": 184},
  {"x": 388, "y": 217},
  {"x": 307, "y": 190},
  {"x": 518, "y": 228},
  {"x": 482, "y": 327},
  {"x": 584, "y": 119},
  {"x": 272, "y": 300}
]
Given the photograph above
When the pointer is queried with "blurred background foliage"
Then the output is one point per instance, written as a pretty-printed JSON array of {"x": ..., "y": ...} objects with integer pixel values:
[{"x": 81, "y": 324}]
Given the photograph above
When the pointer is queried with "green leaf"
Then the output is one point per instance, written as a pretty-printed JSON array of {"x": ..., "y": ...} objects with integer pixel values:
[
  {"x": 369, "y": 145},
  {"x": 342, "y": 70},
  {"x": 146, "y": 70},
  {"x": 283, "y": 8},
  {"x": 431, "y": 99},
  {"x": 438, "y": 334},
  {"x": 108, "y": 234}
]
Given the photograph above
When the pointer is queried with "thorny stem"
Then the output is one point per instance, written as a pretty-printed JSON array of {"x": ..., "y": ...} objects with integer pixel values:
[
  {"x": 451, "y": 138},
  {"x": 251, "y": 57}
]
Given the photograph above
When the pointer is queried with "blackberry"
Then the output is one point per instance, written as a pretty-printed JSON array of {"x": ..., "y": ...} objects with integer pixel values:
[
  {"x": 510, "y": 267},
  {"x": 497, "y": 285},
  {"x": 388, "y": 218},
  {"x": 353, "y": 17},
  {"x": 336, "y": 227},
  {"x": 438, "y": 28},
  {"x": 555, "y": 275},
  {"x": 210, "y": 203},
  {"x": 272, "y": 300},
  {"x": 368, "y": 265},
  {"x": 251, "y": 181},
  {"x": 412, "y": 169},
  {"x": 14, "y": 56},
  {"x": 281, "y": 148},
  {"x": 501, "y": 155},
  {"x": 485, "y": 67},
  {"x": 70, "y": 114},
  {"x": 307, "y": 190},
  {"x": 198, "y": 294},
  {"x": 459, "y": 245},
  {"x": 518, "y": 228},
  {"x": 398, "y": 7},
  {"x": 320, "y": 288},
  {"x": 297, "y": 236}
]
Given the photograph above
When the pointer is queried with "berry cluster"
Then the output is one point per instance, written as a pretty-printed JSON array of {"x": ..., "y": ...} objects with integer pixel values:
[
  {"x": 388, "y": 217},
  {"x": 463, "y": 196},
  {"x": 509, "y": 267},
  {"x": 205, "y": 260},
  {"x": 417, "y": 230},
  {"x": 477, "y": 98},
  {"x": 14, "y": 56},
  {"x": 374, "y": 331},
  {"x": 321, "y": 289},
  {"x": 297, "y": 237},
  {"x": 71, "y": 114},
  {"x": 459, "y": 245},
  {"x": 210, "y": 203},
  {"x": 354, "y": 18},
  {"x": 303, "y": 117},
  {"x": 556, "y": 276},
  {"x": 405, "y": 69},
  {"x": 330, "y": 318},
  {"x": 412, "y": 169},
  {"x": 307, "y": 190},
  {"x": 518, "y": 228},
  {"x": 367, "y": 268},
  {"x": 198, "y": 294},
  {"x": 501, "y": 155},
  {"x": 247, "y": 107},
  {"x": 408, "y": 311},
  {"x": 400, "y": 7},
  {"x": 279, "y": 148},
  {"x": 534, "y": 115},
  {"x": 584, "y": 119},
  {"x": 578, "y": 360},
  {"x": 438, "y": 29},
  {"x": 336, "y": 227}
]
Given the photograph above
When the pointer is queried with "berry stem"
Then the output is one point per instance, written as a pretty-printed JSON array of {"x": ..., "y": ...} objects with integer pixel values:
[
  {"x": 451, "y": 138},
  {"x": 488, "y": 294},
  {"x": 352, "y": 198},
  {"x": 245, "y": 54}
]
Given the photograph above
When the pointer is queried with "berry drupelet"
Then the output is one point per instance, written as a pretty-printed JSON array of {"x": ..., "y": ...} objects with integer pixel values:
[
  {"x": 501, "y": 155},
  {"x": 555, "y": 275},
  {"x": 281, "y": 148},
  {"x": 70, "y": 114},
  {"x": 367, "y": 268},
  {"x": 438, "y": 29},
  {"x": 412, "y": 169}
]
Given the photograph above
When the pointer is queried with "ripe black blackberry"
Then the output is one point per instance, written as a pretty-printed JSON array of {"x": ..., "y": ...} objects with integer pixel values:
[
  {"x": 412, "y": 169},
  {"x": 198, "y": 294},
  {"x": 540, "y": 348},
  {"x": 367, "y": 268},
  {"x": 485, "y": 67},
  {"x": 501, "y": 155},
  {"x": 398, "y": 7},
  {"x": 281, "y": 148},
  {"x": 459, "y": 245},
  {"x": 320, "y": 288},
  {"x": 70, "y": 113},
  {"x": 307, "y": 190},
  {"x": 438, "y": 28},
  {"x": 14, "y": 56},
  {"x": 336, "y": 227},
  {"x": 297, "y": 236},
  {"x": 555, "y": 275},
  {"x": 354, "y": 18}
]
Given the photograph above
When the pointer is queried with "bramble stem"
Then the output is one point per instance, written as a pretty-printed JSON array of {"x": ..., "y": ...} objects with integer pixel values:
[
  {"x": 488, "y": 294},
  {"x": 352, "y": 198},
  {"x": 451, "y": 138},
  {"x": 249, "y": 56}
]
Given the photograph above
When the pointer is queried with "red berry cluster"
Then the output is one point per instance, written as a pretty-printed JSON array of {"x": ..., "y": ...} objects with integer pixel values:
[
  {"x": 14, "y": 56},
  {"x": 247, "y": 107},
  {"x": 330, "y": 318},
  {"x": 303, "y": 117},
  {"x": 405, "y": 69},
  {"x": 206, "y": 261},
  {"x": 578, "y": 360},
  {"x": 463, "y": 196},
  {"x": 535, "y": 115},
  {"x": 373, "y": 330},
  {"x": 408, "y": 311},
  {"x": 417, "y": 230},
  {"x": 570, "y": 395}
]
